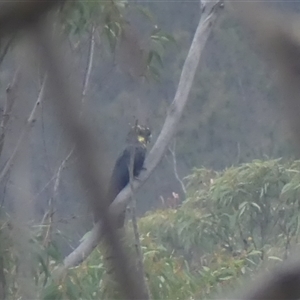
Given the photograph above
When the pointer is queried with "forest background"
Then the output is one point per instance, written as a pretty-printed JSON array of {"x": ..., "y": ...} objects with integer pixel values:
[{"x": 233, "y": 115}]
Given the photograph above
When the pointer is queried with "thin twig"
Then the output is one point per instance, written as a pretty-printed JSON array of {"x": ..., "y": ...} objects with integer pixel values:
[
  {"x": 6, "y": 47},
  {"x": 89, "y": 66},
  {"x": 52, "y": 200},
  {"x": 8, "y": 105},
  {"x": 30, "y": 121},
  {"x": 173, "y": 153}
]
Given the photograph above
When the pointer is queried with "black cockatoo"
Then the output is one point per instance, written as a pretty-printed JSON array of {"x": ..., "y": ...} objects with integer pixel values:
[{"x": 137, "y": 140}]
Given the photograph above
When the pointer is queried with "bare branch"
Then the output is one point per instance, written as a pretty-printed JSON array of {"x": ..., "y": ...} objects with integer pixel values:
[
  {"x": 52, "y": 200},
  {"x": 24, "y": 133},
  {"x": 6, "y": 47},
  {"x": 88, "y": 68},
  {"x": 174, "y": 114},
  {"x": 173, "y": 153},
  {"x": 8, "y": 105}
]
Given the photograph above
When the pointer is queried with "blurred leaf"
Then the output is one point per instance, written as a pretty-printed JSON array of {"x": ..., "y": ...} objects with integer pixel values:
[
  {"x": 274, "y": 258},
  {"x": 51, "y": 292},
  {"x": 44, "y": 269},
  {"x": 54, "y": 252}
]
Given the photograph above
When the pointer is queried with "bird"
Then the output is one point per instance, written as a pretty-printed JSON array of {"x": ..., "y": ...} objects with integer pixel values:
[{"x": 137, "y": 140}]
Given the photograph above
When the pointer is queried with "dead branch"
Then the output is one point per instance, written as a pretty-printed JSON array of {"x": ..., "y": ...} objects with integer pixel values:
[
  {"x": 90, "y": 61},
  {"x": 173, "y": 153},
  {"x": 25, "y": 132},
  {"x": 6, "y": 47},
  {"x": 202, "y": 33},
  {"x": 8, "y": 105}
]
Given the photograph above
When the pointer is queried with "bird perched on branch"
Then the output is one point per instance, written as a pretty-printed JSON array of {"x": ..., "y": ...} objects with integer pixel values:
[{"x": 137, "y": 140}]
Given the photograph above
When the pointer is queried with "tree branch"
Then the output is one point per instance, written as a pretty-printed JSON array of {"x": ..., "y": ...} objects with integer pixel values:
[
  {"x": 202, "y": 33},
  {"x": 8, "y": 105},
  {"x": 24, "y": 133},
  {"x": 6, "y": 47},
  {"x": 90, "y": 61},
  {"x": 173, "y": 153}
]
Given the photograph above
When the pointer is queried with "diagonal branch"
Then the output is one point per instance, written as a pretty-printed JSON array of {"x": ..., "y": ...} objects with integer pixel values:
[
  {"x": 8, "y": 105},
  {"x": 7, "y": 46},
  {"x": 25, "y": 132},
  {"x": 202, "y": 33}
]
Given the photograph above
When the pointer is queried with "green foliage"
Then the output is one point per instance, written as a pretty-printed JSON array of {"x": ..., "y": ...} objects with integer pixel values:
[
  {"x": 232, "y": 221},
  {"x": 43, "y": 255},
  {"x": 255, "y": 201},
  {"x": 230, "y": 225},
  {"x": 81, "y": 282},
  {"x": 108, "y": 17},
  {"x": 242, "y": 208},
  {"x": 159, "y": 42}
]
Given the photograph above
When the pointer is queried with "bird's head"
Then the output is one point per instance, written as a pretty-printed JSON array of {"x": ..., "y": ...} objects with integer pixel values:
[
  {"x": 143, "y": 134},
  {"x": 140, "y": 134}
]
